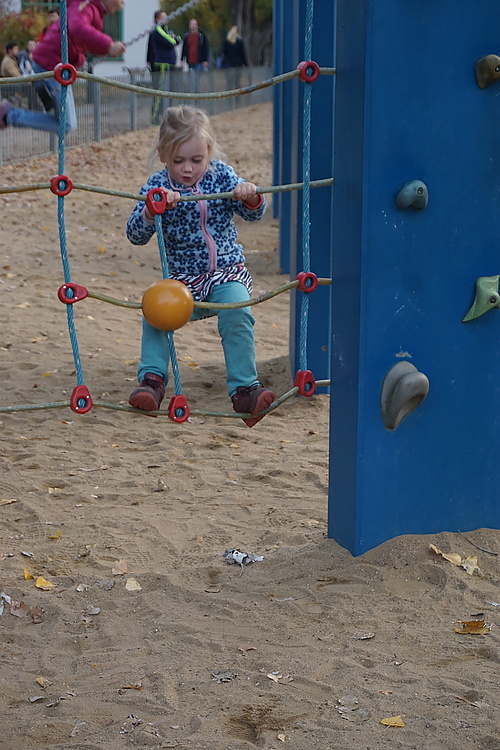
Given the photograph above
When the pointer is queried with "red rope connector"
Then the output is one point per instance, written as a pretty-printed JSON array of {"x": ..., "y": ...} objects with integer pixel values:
[
  {"x": 308, "y": 281},
  {"x": 178, "y": 404},
  {"x": 81, "y": 401},
  {"x": 61, "y": 185},
  {"x": 309, "y": 71},
  {"x": 156, "y": 201},
  {"x": 305, "y": 382},
  {"x": 70, "y": 293},
  {"x": 65, "y": 73}
]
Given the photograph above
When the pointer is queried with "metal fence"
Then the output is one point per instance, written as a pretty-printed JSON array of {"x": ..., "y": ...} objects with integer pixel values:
[{"x": 104, "y": 111}]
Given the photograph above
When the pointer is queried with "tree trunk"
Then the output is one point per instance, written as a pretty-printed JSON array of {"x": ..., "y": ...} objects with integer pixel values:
[
  {"x": 258, "y": 40},
  {"x": 242, "y": 15}
]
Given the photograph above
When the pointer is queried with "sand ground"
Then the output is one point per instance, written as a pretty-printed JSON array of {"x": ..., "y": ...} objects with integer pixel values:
[{"x": 308, "y": 648}]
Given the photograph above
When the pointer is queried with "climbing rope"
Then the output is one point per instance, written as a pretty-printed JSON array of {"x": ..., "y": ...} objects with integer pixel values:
[
  {"x": 137, "y": 197},
  {"x": 306, "y": 195},
  {"x": 172, "y": 94},
  {"x": 61, "y": 185}
]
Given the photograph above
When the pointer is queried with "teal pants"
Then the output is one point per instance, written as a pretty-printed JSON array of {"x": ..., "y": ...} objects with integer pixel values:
[{"x": 236, "y": 329}]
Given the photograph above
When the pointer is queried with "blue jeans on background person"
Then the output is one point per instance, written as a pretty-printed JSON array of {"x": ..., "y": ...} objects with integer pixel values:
[
  {"x": 28, "y": 118},
  {"x": 236, "y": 332}
]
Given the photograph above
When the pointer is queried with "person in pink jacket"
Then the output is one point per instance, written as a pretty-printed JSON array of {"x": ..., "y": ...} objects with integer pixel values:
[{"x": 85, "y": 34}]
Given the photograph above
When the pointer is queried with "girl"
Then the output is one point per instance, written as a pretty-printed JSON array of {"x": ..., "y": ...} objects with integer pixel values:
[
  {"x": 203, "y": 252},
  {"x": 85, "y": 22}
]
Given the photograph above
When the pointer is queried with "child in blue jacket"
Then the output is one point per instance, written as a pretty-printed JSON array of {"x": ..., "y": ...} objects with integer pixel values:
[{"x": 203, "y": 253}]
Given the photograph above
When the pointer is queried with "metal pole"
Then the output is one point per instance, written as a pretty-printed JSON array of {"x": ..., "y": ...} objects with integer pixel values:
[
  {"x": 133, "y": 105},
  {"x": 97, "y": 114}
]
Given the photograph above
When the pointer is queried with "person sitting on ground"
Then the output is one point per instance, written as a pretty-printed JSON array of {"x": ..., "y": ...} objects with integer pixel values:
[
  {"x": 203, "y": 252},
  {"x": 9, "y": 67},
  {"x": 85, "y": 23}
]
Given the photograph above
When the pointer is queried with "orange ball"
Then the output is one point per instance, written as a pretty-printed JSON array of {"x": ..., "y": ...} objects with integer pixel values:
[{"x": 167, "y": 304}]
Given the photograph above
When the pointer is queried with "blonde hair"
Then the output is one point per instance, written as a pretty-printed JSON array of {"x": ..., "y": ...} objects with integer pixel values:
[
  {"x": 181, "y": 123},
  {"x": 232, "y": 35}
]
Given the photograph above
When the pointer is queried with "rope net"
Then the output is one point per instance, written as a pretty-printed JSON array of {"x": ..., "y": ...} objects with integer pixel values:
[{"x": 70, "y": 293}]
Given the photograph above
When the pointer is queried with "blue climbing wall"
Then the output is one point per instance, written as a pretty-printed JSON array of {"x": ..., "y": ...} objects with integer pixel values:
[
  {"x": 408, "y": 107},
  {"x": 289, "y": 24}
]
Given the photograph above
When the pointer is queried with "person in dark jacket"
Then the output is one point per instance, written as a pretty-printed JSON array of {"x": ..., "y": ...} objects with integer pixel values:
[
  {"x": 234, "y": 57},
  {"x": 161, "y": 57},
  {"x": 161, "y": 45},
  {"x": 234, "y": 53},
  {"x": 195, "y": 47}
]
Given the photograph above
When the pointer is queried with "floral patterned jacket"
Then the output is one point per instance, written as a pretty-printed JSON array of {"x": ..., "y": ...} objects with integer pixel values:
[{"x": 200, "y": 236}]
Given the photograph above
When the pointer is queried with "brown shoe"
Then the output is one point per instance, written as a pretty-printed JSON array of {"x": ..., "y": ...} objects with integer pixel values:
[
  {"x": 149, "y": 395},
  {"x": 252, "y": 400}
]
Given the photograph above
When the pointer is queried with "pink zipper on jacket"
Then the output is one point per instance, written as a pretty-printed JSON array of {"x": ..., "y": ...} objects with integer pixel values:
[{"x": 212, "y": 247}]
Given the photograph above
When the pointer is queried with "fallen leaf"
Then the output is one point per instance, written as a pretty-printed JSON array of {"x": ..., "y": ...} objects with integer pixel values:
[
  {"x": 43, "y": 682},
  {"x": 19, "y": 609},
  {"x": 469, "y": 564},
  {"x": 393, "y": 721},
  {"x": 8, "y": 501},
  {"x": 28, "y": 576},
  {"x": 120, "y": 568},
  {"x": 56, "y": 535},
  {"x": 37, "y": 614},
  {"x": 133, "y": 585},
  {"x": 43, "y": 584},
  {"x": 472, "y": 627}
]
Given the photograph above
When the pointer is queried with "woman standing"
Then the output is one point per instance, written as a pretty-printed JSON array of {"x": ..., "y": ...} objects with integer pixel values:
[{"x": 235, "y": 54}]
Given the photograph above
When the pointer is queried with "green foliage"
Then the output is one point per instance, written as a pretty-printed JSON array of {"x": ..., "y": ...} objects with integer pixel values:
[
  {"x": 214, "y": 18},
  {"x": 263, "y": 11},
  {"x": 21, "y": 27}
]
